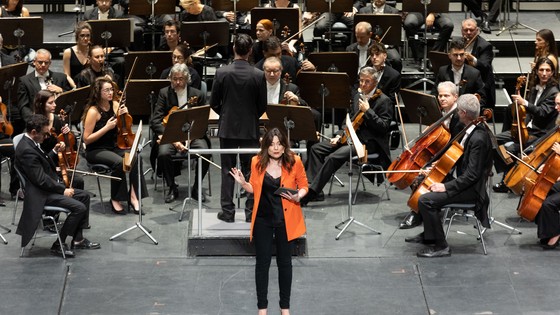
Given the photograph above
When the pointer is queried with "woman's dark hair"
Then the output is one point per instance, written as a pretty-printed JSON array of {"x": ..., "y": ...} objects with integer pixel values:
[
  {"x": 186, "y": 52},
  {"x": 40, "y": 100},
  {"x": 17, "y": 10},
  {"x": 80, "y": 27},
  {"x": 549, "y": 62},
  {"x": 95, "y": 94},
  {"x": 548, "y": 37},
  {"x": 287, "y": 158}
]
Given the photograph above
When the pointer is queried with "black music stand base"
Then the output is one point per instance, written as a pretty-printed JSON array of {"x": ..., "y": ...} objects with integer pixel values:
[{"x": 348, "y": 221}]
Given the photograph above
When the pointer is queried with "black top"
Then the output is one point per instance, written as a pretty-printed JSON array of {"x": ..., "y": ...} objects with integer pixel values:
[
  {"x": 270, "y": 205},
  {"x": 109, "y": 140},
  {"x": 207, "y": 14}
]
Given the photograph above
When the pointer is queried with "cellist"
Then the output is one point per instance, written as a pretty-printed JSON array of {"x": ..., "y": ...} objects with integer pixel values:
[
  {"x": 548, "y": 217},
  {"x": 100, "y": 137},
  {"x": 469, "y": 186},
  {"x": 447, "y": 97},
  {"x": 541, "y": 115}
]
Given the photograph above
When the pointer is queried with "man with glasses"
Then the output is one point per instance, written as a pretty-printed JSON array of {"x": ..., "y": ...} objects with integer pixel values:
[
  {"x": 180, "y": 96},
  {"x": 44, "y": 189},
  {"x": 40, "y": 79},
  {"x": 465, "y": 77}
]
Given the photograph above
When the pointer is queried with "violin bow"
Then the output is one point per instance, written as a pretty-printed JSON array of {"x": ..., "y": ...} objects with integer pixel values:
[{"x": 406, "y": 147}]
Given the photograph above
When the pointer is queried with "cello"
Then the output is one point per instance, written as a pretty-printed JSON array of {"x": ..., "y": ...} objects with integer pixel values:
[
  {"x": 537, "y": 190},
  {"x": 442, "y": 167},
  {"x": 516, "y": 177},
  {"x": 428, "y": 144}
]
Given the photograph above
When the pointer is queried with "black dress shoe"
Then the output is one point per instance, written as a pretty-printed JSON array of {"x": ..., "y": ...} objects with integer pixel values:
[
  {"x": 485, "y": 26},
  {"x": 419, "y": 238},
  {"x": 320, "y": 196},
  {"x": 226, "y": 217},
  {"x": 500, "y": 188},
  {"x": 172, "y": 194},
  {"x": 55, "y": 250},
  {"x": 194, "y": 195},
  {"x": 85, "y": 244},
  {"x": 2, "y": 202},
  {"x": 411, "y": 220},
  {"x": 131, "y": 209},
  {"x": 431, "y": 252}
]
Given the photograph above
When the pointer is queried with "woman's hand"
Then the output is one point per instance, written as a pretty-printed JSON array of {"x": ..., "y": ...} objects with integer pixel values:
[
  {"x": 111, "y": 123},
  {"x": 65, "y": 129},
  {"x": 292, "y": 197},
  {"x": 238, "y": 176},
  {"x": 122, "y": 110}
]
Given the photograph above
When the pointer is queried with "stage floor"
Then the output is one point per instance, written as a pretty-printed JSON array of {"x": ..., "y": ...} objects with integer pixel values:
[{"x": 362, "y": 273}]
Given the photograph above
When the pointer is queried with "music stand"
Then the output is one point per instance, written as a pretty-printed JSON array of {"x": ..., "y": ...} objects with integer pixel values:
[
  {"x": 390, "y": 23},
  {"x": 184, "y": 125},
  {"x": 440, "y": 6},
  {"x": 325, "y": 90},
  {"x": 77, "y": 99},
  {"x": 330, "y": 6},
  {"x": 420, "y": 108},
  {"x": 235, "y": 6},
  {"x": 438, "y": 59},
  {"x": 280, "y": 17},
  {"x": 352, "y": 141},
  {"x": 110, "y": 33},
  {"x": 151, "y": 8},
  {"x": 292, "y": 119},
  {"x": 22, "y": 31},
  {"x": 347, "y": 62},
  {"x": 142, "y": 95},
  {"x": 135, "y": 151},
  {"x": 200, "y": 34},
  {"x": 149, "y": 65},
  {"x": 9, "y": 80}
]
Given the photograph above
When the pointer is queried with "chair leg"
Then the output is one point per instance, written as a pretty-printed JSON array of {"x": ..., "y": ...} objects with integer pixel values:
[
  {"x": 330, "y": 186},
  {"x": 100, "y": 195},
  {"x": 57, "y": 235},
  {"x": 449, "y": 225},
  {"x": 480, "y": 235},
  {"x": 15, "y": 207}
]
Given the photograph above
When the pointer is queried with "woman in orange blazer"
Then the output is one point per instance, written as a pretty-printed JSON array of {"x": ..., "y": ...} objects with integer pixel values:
[{"x": 276, "y": 214}]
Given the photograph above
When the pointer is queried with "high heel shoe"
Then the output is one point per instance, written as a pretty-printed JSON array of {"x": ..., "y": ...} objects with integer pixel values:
[
  {"x": 118, "y": 212},
  {"x": 131, "y": 208},
  {"x": 550, "y": 247}
]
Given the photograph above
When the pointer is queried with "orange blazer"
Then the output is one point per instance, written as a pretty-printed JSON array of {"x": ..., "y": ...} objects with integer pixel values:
[{"x": 296, "y": 179}]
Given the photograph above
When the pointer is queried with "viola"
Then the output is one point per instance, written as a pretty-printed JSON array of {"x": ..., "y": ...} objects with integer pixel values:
[
  {"x": 5, "y": 126},
  {"x": 63, "y": 169},
  {"x": 427, "y": 145},
  {"x": 125, "y": 136},
  {"x": 537, "y": 190},
  {"x": 442, "y": 167},
  {"x": 358, "y": 118},
  {"x": 284, "y": 99},
  {"x": 69, "y": 155},
  {"x": 519, "y": 131},
  {"x": 516, "y": 177}
]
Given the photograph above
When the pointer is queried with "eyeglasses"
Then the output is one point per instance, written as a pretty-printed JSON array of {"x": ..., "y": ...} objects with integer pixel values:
[
  {"x": 108, "y": 90},
  {"x": 458, "y": 55},
  {"x": 275, "y": 71},
  {"x": 178, "y": 57}
]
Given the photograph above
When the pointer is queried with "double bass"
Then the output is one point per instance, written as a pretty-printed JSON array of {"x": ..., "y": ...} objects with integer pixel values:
[{"x": 442, "y": 167}]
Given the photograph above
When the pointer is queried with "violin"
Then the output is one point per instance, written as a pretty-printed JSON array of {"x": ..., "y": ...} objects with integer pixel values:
[
  {"x": 125, "y": 136},
  {"x": 191, "y": 101},
  {"x": 519, "y": 131},
  {"x": 427, "y": 145},
  {"x": 444, "y": 165},
  {"x": 516, "y": 177},
  {"x": 69, "y": 155},
  {"x": 358, "y": 118},
  {"x": 537, "y": 190},
  {"x": 5, "y": 126}
]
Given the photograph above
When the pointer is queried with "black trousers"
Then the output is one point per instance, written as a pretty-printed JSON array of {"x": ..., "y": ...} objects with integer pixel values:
[
  {"x": 548, "y": 218},
  {"x": 165, "y": 155},
  {"x": 9, "y": 152},
  {"x": 228, "y": 183},
  {"x": 429, "y": 206},
  {"x": 412, "y": 24},
  {"x": 114, "y": 160},
  {"x": 79, "y": 212},
  {"x": 265, "y": 236},
  {"x": 329, "y": 19}
]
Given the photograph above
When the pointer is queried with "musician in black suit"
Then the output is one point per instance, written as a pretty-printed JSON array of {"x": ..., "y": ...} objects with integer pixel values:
[
  {"x": 43, "y": 188},
  {"x": 5, "y": 59},
  {"x": 467, "y": 78},
  {"x": 40, "y": 79},
  {"x": 448, "y": 94},
  {"x": 378, "y": 7},
  {"x": 390, "y": 79},
  {"x": 541, "y": 115},
  {"x": 103, "y": 11},
  {"x": 328, "y": 156},
  {"x": 363, "y": 33},
  {"x": 182, "y": 96},
  {"x": 469, "y": 186},
  {"x": 239, "y": 97},
  {"x": 479, "y": 54}
]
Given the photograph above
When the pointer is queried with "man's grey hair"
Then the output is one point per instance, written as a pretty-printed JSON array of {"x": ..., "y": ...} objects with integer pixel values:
[
  {"x": 43, "y": 51},
  {"x": 365, "y": 25},
  {"x": 371, "y": 71},
  {"x": 470, "y": 104},
  {"x": 181, "y": 68},
  {"x": 448, "y": 86}
]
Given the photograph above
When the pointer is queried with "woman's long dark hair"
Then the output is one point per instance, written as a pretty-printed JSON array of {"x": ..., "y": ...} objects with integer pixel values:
[
  {"x": 95, "y": 94},
  {"x": 287, "y": 159},
  {"x": 40, "y": 100},
  {"x": 548, "y": 37},
  {"x": 17, "y": 10}
]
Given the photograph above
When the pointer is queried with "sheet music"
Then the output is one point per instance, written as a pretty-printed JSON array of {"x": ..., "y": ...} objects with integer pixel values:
[{"x": 356, "y": 142}]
